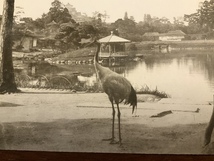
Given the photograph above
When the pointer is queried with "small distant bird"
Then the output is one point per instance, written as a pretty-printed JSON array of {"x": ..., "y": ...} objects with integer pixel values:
[{"x": 118, "y": 89}]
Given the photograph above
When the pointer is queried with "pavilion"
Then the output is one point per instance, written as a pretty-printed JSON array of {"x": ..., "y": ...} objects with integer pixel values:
[{"x": 113, "y": 49}]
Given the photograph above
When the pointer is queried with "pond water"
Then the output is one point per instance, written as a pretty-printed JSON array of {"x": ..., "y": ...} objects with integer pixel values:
[
  {"x": 187, "y": 76},
  {"x": 184, "y": 74}
]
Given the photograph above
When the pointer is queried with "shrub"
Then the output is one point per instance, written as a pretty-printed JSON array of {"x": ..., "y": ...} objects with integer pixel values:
[{"x": 131, "y": 47}]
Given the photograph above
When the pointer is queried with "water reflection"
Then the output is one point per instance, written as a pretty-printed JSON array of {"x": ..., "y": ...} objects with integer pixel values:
[{"x": 181, "y": 75}]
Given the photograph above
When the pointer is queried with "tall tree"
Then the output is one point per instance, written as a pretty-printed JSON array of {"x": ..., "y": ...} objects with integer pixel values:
[
  {"x": 70, "y": 35},
  {"x": 58, "y": 13},
  {"x": 147, "y": 18},
  {"x": 132, "y": 18},
  {"x": 8, "y": 84},
  {"x": 126, "y": 16},
  {"x": 207, "y": 14},
  {"x": 203, "y": 17},
  {"x": 98, "y": 22}
]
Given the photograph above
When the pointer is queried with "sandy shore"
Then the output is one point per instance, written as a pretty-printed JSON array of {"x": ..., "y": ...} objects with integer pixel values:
[{"x": 61, "y": 121}]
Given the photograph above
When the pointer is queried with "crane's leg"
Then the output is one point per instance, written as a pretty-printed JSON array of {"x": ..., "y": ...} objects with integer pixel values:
[
  {"x": 113, "y": 115},
  {"x": 118, "y": 114},
  {"x": 113, "y": 141}
]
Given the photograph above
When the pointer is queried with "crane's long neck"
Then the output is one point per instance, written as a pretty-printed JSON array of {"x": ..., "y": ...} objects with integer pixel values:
[
  {"x": 96, "y": 58},
  {"x": 100, "y": 70},
  {"x": 97, "y": 53}
]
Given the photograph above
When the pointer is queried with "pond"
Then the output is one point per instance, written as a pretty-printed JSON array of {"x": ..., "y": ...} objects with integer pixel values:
[{"x": 183, "y": 74}]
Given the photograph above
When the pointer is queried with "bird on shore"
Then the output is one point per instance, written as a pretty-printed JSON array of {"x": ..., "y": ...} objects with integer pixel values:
[{"x": 118, "y": 89}]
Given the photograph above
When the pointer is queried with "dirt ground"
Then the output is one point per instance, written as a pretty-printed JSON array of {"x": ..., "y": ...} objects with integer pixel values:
[
  {"x": 86, "y": 136},
  {"x": 61, "y": 121}
]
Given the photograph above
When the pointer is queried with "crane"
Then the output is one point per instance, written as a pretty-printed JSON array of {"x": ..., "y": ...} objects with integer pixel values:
[{"x": 118, "y": 89}]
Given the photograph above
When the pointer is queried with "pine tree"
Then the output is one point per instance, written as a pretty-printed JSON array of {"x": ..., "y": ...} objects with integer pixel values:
[
  {"x": 126, "y": 16},
  {"x": 8, "y": 84}
]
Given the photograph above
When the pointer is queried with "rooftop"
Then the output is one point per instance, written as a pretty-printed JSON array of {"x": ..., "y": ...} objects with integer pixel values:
[
  {"x": 174, "y": 33},
  {"x": 113, "y": 38},
  {"x": 151, "y": 34}
]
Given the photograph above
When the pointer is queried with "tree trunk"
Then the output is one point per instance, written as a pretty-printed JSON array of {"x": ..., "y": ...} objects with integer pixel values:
[
  {"x": 209, "y": 129},
  {"x": 8, "y": 84}
]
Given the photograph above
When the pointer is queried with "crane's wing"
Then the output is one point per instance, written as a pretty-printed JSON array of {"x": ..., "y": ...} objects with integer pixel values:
[{"x": 117, "y": 86}]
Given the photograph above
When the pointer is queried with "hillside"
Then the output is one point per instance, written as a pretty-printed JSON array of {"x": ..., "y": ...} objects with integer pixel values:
[{"x": 80, "y": 54}]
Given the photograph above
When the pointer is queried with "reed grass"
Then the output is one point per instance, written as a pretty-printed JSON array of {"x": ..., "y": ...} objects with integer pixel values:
[{"x": 146, "y": 90}]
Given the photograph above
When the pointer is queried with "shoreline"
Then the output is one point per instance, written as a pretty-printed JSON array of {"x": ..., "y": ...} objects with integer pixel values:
[{"x": 144, "y": 46}]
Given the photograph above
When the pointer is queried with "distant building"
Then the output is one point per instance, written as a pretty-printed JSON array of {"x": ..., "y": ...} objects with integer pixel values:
[
  {"x": 27, "y": 42},
  {"x": 77, "y": 16},
  {"x": 176, "y": 35},
  {"x": 151, "y": 36}
]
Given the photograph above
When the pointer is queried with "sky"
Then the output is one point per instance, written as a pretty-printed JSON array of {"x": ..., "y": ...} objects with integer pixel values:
[{"x": 115, "y": 8}]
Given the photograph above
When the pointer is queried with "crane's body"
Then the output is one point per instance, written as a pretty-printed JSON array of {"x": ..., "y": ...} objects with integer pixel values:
[{"x": 117, "y": 88}]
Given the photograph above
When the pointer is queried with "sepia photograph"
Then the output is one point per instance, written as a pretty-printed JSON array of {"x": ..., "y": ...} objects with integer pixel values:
[{"x": 107, "y": 77}]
